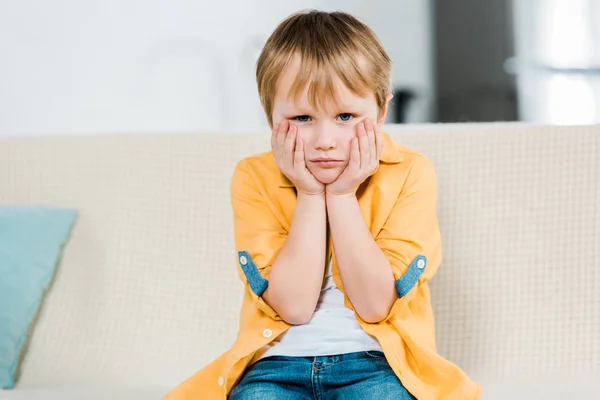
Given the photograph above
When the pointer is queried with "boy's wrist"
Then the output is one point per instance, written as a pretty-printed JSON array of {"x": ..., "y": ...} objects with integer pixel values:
[
  {"x": 339, "y": 202},
  {"x": 311, "y": 196},
  {"x": 339, "y": 196}
]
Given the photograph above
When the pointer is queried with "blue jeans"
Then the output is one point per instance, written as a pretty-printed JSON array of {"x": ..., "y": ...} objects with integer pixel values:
[{"x": 362, "y": 375}]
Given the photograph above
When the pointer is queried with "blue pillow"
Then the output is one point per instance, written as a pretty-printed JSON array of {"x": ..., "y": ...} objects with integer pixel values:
[{"x": 31, "y": 239}]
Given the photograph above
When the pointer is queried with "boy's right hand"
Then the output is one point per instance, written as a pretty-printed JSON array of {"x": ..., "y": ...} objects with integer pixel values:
[{"x": 288, "y": 150}]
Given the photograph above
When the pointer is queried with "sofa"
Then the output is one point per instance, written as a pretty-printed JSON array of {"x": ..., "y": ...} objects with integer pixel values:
[{"x": 146, "y": 291}]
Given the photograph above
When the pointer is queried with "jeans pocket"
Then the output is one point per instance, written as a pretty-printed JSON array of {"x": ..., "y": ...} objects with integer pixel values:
[{"x": 374, "y": 354}]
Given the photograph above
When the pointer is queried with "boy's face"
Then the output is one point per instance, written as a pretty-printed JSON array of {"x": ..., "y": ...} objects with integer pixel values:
[{"x": 326, "y": 131}]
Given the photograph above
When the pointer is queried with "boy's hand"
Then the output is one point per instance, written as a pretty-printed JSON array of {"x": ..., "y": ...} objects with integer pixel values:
[
  {"x": 365, "y": 150},
  {"x": 288, "y": 150}
]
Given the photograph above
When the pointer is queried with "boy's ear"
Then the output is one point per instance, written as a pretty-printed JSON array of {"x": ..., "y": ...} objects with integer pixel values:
[{"x": 384, "y": 110}]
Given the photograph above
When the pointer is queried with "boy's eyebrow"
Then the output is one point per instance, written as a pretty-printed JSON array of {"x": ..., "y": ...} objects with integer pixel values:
[
  {"x": 336, "y": 110},
  {"x": 299, "y": 110}
]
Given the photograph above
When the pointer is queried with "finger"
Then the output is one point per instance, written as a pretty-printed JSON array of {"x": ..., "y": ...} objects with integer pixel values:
[
  {"x": 289, "y": 145},
  {"x": 378, "y": 141},
  {"x": 360, "y": 131},
  {"x": 274, "y": 137},
  {"x": 363, "y": 142},
  {"x": 354, "y": 163},
  {"x": 281, "y": 134},
  {"x": 371, "y": 136},
  {"x": 299, "y": 154}
]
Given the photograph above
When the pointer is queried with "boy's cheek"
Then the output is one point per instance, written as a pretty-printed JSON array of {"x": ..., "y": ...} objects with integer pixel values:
[
  {"x": 303, "y": 132},
  {"x": 361, "y": 121},
  {"x": 351, "y": 130}
]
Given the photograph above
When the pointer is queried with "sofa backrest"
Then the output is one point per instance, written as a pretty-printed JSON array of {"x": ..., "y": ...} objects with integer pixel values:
[{"x": 147, "y": 290}]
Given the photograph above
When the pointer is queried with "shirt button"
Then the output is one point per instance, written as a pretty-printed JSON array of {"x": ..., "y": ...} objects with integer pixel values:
[
  {"x": 421, "y": 264},
  {"x": 243, "y": 260},
  {"x": 267, "y": 333},
  {"x": 221, "y": 381}
]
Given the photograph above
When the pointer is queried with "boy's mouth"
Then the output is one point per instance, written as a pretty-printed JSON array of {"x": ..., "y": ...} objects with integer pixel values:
[{"x": 326, "y": 162}]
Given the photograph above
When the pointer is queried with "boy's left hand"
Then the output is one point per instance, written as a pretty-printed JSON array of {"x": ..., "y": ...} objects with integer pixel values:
[{"x": 365, "y": 150}]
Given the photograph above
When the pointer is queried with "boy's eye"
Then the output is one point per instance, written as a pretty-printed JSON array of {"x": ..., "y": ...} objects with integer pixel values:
[
  {"x": 345, "y": 117},
  {"x": 302, "y": 118}
]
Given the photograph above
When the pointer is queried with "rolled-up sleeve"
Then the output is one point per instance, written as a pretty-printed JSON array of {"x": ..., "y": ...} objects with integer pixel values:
[
  {"x": 410, "y": 238},
  {"x": 258, "y": 235}
]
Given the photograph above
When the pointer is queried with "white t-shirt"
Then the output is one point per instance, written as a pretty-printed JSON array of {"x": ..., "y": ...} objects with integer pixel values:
[{"x": 333, "y": 329}]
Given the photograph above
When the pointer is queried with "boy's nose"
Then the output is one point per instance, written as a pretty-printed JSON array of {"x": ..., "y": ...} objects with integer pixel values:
[{"x": 325, "y": 138}]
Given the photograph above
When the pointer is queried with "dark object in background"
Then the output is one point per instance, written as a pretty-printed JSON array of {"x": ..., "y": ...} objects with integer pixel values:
[
  {"x": 401, "y": 100},
  {"x": 472, "y": 41}
]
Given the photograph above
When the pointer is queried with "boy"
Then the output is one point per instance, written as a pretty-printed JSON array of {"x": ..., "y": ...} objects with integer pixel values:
[{"x": 336, "y": 233}]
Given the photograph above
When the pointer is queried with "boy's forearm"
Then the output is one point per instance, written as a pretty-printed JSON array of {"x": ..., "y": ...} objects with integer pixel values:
[
  {"x": 296, "y": 275},
  {"x": 365, "y": 270}
]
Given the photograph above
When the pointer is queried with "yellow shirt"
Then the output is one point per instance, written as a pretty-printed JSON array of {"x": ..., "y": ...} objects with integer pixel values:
[{"x": 399, "y": 205}]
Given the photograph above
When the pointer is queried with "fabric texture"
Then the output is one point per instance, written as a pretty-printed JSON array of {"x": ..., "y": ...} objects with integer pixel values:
[
  {"x": 406, "y": 282},
  {"x": 75, "y": 391},
  {"x": 31, "y": 240},
  {"x": 150, "y": 274},
  {"x": 348, "y": 376}
]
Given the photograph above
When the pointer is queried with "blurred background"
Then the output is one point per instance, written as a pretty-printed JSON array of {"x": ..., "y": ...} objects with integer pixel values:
[{"x": 116, "y": 66}]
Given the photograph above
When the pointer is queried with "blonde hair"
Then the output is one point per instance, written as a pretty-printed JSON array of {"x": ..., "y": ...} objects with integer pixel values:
[{"x": 330, "y": 44}]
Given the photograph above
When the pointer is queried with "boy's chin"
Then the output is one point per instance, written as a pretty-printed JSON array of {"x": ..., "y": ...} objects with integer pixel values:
[{"x": 327, "y": 176}]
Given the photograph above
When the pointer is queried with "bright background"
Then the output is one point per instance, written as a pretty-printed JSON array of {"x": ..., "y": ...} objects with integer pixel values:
[{"x": 82, "y": 66}]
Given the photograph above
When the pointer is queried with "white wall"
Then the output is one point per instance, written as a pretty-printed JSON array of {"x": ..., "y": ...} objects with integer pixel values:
[
  {"x": 554, "y": 39},
  {"x": 70, "y": 66}
]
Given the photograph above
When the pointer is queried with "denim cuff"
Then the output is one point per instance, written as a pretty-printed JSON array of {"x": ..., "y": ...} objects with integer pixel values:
[
  {"x": 410, "y": 278},
  {"x": 258, "y": 284}
]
